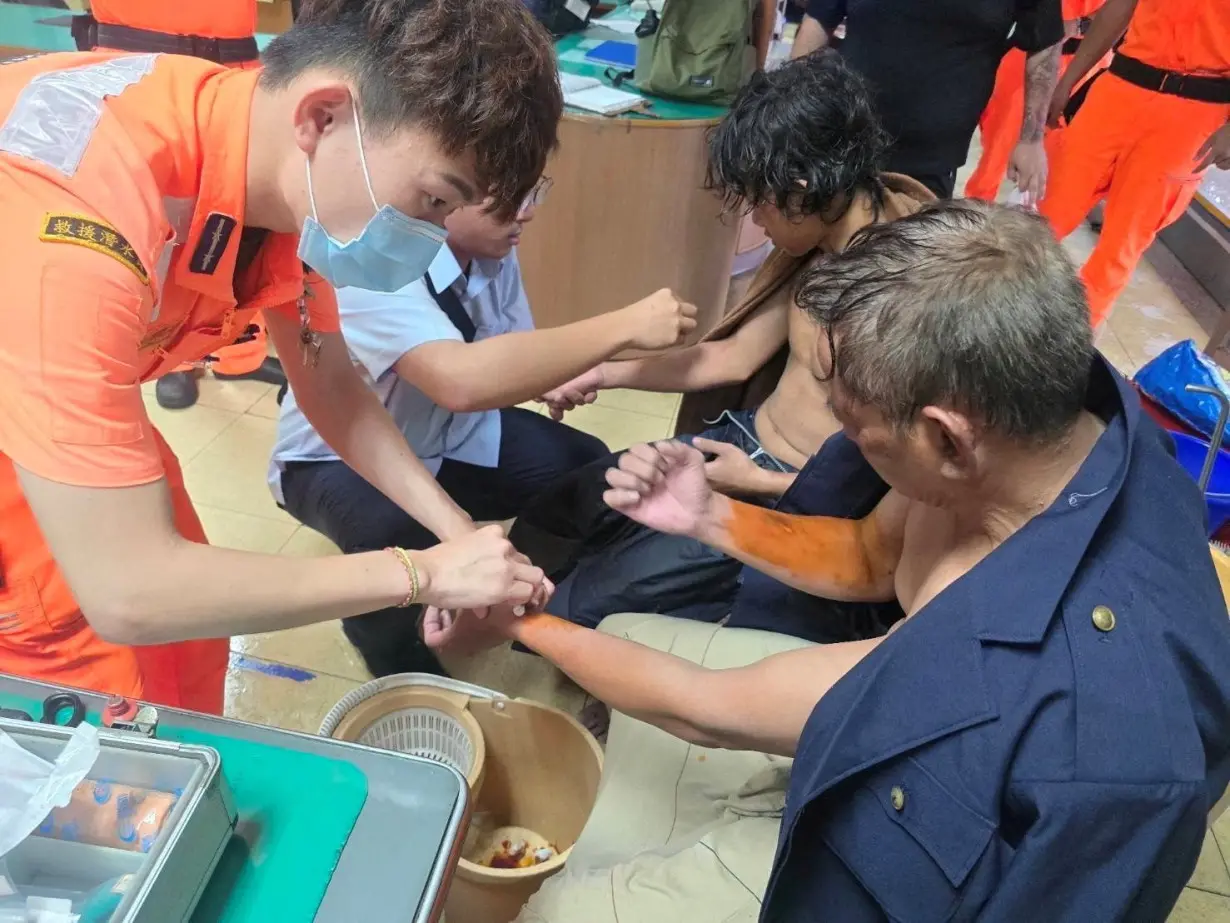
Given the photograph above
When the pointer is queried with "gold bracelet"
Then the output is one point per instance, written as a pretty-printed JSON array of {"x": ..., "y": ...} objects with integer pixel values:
[{"x": 412, "y": 572}]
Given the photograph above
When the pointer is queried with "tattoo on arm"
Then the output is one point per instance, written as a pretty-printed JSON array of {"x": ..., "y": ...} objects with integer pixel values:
[{"x": 1041, "y": 75}]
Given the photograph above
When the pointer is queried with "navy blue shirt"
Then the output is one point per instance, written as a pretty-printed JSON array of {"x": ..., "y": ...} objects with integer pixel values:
[
  {"x": 931, "y": 65},
  {"x": 1003, "y": 756}
]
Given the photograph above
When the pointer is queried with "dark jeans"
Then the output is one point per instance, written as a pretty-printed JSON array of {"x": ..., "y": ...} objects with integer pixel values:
[
  {"x": 640, "y": 570},
  {"x": 335, "y": 501}
]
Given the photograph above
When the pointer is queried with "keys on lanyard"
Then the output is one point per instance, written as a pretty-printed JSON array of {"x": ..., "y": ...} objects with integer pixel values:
[{"x": 309, "y": 339}]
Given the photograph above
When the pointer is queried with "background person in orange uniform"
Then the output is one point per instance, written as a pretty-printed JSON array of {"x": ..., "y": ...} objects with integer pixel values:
[
  {"x": 1147, "y": 129},
  {"x": 153, "y": 204},
  {"x": 999, "y": 128},
  {"x": 223, "y": 31}
]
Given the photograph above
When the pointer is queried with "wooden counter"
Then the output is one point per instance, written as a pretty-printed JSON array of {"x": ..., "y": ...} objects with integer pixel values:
[{"x": 628, "y": 215}]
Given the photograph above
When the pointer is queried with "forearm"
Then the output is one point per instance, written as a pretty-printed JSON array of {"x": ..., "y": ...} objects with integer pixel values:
[
  {"x": 191, "y": 591},
  {"x": 531, "y": 363},
  {"x": 811, "y": 37},
  {"x": 693, "y": 368},
  {"x": 1041, "y": 75},
  {"x": 772, "y": 483},
  {"x": 351, "y": 419},
  {"x": 824, "y": 556},
  {"x": 1108, "y": 26},
  {"x": 646, "y": 684}
]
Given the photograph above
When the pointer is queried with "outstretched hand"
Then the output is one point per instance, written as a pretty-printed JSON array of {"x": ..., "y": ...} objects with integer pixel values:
[
  {"x": 663, "y": 486},
  {"x": 468, "y": 631}
]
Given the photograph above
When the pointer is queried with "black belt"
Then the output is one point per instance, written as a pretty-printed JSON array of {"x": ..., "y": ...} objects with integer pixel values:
[
  {"x": 89, "y": 34},
  {"x": 1188, "y": 86}
]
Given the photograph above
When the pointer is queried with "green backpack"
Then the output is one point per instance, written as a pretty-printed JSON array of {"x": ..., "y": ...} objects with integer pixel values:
[{"x": 703, "y": 50}]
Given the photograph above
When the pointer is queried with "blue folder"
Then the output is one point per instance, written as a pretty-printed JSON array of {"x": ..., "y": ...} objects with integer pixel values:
[{"x": 620, "y": 54}]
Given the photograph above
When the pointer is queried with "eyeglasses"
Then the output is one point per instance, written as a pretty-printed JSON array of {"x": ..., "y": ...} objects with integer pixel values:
[{"x": 537, "y": 195}]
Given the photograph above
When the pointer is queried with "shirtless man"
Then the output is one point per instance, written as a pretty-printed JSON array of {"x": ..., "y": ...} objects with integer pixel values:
[
  {"x": 802, "y": 149},
  {"x": 1043, "y": 735}
]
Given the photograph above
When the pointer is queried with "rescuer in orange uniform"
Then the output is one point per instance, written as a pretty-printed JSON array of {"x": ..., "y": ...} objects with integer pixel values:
[
  {"x": 223, "y": 31},
  {"x": 999, "y": 128},
  {"x": 152, "y": 205},
  {"x": 1148, "y": 128}
]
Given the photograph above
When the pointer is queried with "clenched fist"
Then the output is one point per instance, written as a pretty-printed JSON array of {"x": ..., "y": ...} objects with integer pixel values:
[
  {"x": 660, "y": 321},
  {"x": 479, "y": 570}
]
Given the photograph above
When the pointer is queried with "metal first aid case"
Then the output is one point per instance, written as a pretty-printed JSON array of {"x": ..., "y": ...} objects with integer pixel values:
[{"x": 166, "y": 881}]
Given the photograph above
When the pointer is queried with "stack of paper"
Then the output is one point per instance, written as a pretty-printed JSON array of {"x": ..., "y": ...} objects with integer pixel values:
[{"x": 588, "y": 93}]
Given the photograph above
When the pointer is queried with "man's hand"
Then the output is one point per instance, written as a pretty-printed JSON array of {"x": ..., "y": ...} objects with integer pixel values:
[
  {"x": 463, "y": 632},
  {"x": 732, "y": 470},
  {"x": 580, "y": 391},
  {"x": 478, "y": 570},
  {"x": 662, "y": 486},
  {"x": 1027, "y": 169},
  {"x": 659, "y": 321},
  {"x": 1216, "y": 151}
]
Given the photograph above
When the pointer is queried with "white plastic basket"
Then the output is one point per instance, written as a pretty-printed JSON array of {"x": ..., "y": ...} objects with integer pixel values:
[
  {"x": 426, "y": 732},
  {"x": 426, "y": 716}
]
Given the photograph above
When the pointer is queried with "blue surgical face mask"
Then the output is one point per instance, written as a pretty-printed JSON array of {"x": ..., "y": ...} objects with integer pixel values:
[{"x": 390, "y": 252}]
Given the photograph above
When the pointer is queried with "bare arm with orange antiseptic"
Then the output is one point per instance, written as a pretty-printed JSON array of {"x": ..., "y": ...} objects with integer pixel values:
[
  {"x": 664, "y": 486},
  {"x": 763, "y": 706}
]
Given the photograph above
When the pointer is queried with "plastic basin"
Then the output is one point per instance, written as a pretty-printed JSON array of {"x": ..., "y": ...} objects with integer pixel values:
[{"x": 1191, "y": 453}]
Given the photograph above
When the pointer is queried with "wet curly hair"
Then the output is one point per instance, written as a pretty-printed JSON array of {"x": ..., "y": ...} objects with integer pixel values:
[
  {"x": 802, "y": 137},
  {"x": 480, "y": 75}
]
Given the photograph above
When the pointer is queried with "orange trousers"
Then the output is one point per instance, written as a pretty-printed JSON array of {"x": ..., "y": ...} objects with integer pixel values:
[
  {"x": 1137, "y": 150},
  {"x": 999, "y": 128},
  {"x": 44, "y": 636}
]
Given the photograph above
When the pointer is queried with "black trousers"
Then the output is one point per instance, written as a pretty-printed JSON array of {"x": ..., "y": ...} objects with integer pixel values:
[{"x": 335, "y": 501}]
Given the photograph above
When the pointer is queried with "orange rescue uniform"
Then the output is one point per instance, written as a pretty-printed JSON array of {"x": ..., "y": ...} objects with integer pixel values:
[
  {"x": 999, "y": 127},
  {"x": 1137, "y": 147},
  {"x": 216, "y": 19},
  {"x": 123, "y": 180},
  {"x": 228, "y": 20}
]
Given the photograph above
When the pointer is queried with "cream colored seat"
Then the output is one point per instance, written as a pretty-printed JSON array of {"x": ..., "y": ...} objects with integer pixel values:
[{"x": 680, "y": 833}]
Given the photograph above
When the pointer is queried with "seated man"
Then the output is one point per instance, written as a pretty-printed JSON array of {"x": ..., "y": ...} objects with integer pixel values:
[
  {"x": 449, "y": 356},
  {"x": 1044, "y": 734},
  {"x": 802, "y": 148}
]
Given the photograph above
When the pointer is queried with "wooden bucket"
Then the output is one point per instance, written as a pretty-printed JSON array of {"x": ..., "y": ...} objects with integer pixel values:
[{"x": 542, "y": 771}]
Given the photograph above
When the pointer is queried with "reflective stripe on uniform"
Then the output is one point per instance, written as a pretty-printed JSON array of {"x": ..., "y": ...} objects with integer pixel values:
[
  {"x": 179, "y": 217},
  {"x": 54, "y": 117}
]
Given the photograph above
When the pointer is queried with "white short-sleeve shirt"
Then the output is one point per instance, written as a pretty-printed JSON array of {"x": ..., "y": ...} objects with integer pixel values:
[{"x": 380, "y": 328}]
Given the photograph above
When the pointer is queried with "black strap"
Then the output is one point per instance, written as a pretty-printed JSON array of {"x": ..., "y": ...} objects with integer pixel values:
[
  {"x": 1077, "y": 99},
  {"x": 1071, "y": 45},
  {"x": 451, "y": 305},
  {"x": 88, "y": 34},
  {"x": 1201, "y": 88}
]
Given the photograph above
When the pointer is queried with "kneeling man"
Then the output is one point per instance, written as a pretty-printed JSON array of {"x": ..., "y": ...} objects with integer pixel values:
[
  {"x": 1043, "y": 735},
  {"x": 450, "y": 356}
]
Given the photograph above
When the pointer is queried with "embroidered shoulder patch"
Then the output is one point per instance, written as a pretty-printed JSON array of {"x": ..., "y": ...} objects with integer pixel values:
[{"x": 86, "y": 232}]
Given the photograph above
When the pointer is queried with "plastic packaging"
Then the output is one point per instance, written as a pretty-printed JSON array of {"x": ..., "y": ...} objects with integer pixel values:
[
  {"x": 30, "y": 787},
  {"x": 1165, "y": 379},
  {"x": 104, "y": 814}
]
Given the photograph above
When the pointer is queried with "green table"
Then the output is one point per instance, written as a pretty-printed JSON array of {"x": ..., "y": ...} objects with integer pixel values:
[{"x": 571, "y": 50}]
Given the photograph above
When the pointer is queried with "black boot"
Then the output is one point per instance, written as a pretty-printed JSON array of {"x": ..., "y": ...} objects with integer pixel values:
[
  {"x": 269, "y": 371},
  {"x": 177, "y": 390}
]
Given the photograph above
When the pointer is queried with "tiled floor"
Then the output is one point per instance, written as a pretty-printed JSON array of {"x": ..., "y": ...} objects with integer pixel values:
[{"x": 291, "y": 679}]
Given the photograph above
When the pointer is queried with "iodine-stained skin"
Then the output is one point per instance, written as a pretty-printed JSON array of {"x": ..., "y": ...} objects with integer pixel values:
[{"x": 839, "y": 558}]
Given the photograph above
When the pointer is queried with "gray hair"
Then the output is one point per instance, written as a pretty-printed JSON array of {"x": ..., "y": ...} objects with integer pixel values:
[{"x": 966, "y": 305}]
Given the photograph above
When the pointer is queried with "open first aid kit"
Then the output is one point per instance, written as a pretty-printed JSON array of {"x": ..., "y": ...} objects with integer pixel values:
[{"x": 101, "y": 826}]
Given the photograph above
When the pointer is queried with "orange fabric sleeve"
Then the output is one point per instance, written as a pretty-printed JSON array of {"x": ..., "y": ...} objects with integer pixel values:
[{"x": 72, "y": 409}]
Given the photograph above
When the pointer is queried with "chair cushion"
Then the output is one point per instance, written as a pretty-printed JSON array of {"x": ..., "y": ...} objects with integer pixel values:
[{"x": 679, "y": 832}]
